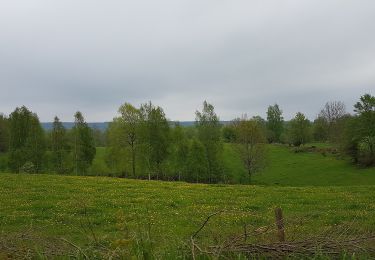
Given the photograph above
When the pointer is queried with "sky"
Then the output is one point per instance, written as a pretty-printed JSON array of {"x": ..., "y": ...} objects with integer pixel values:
[{"x": 57, "y": 57}]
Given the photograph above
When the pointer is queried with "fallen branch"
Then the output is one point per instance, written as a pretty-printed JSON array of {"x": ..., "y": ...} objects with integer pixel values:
[
  {"x": 332, "y": 244},
  {"x": 204, "y": 223},
  {"x": 76, "y": 247}
]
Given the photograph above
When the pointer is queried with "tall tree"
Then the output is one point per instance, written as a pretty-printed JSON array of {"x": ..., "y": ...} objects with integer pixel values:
[
  {"x": 197, "y": 162},
  {"x": 250, "y": 140},
  {"x": 320, "y": 129},
  {"x": 131, "y": 123},
  {"x": 275, "y": 123},
  {"x": 359, "y": 141},
  {"x": 27, "y": 141},
  {"x": 331, "y": 116},
  {"x": 59, "y": 147},
  {"x": 83, "y": 145},
  {"x": 209, "y": 129},
  {"x": 155, "y": 135},
  {"x": 180, "y": 150},
  {"x": 333, "y": 111},
  {"x": 117, "y": 152},
  {"x": 4, "y": 133},
  {"x": 299, "y": 130}
]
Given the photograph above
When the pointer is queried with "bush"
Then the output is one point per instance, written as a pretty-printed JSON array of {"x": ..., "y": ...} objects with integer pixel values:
[
  {"x": 366, "y": 151},
  {"x": 28, "y": 167},
  {"x": 3, "y": 162}
]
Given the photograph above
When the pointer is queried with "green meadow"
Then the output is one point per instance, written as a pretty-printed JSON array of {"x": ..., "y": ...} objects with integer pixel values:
[
  {"x": 285, "y": 167},
  {"x": 316, "y": 192},
  {"x": 288, "y": 168},
  {"x": 56, "y": 206}
]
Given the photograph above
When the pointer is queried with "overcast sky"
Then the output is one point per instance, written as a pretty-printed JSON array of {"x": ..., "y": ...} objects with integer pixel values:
[{"x": 57, "y": 57}]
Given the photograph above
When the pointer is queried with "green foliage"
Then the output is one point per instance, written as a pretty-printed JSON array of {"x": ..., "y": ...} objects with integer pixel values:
[
  {"x": 250, "y": 139},
  {"x": 274, "y": 123},
  {"x": 60, "y": 149},
  {"x": 234, "y": 169},
  {"x": 228, "y": 133},
  {"x": 28, "y": 167},
  {"x": 99, "y": 167},
  {"x": 299, "y": 130},
  {"x": 179, "y": 151},
  {"x": 359, "y": 137},
  {"x": 3, "y": 162},
  {"x": 155, "y": 138},
  {"x": 197, "y": 162},
  {"x": 100, "y": 137},
  {"x": 366, "y": 105},
  {"x": 208, "y": 126},
  {"x": 124, "y": 136},
  {"x": 83, "y": 145},
  {"x": 118, "y": 153},
  {"x": 320, "y": 130},
  {"x": 4, "y": 134},
  {"x": 27, "y": 140}
]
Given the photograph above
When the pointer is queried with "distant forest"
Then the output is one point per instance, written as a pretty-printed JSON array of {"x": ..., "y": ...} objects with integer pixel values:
[
  {"x": 141, "y": 143},
  {"x": 104, "y": 125}
]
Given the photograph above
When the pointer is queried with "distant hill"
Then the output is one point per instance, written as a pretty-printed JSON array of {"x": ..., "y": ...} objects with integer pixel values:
[
  {"x": 69, "y": 125},
  {"x": 104, "y": 125},
  {"x": 191, "y": 123}
]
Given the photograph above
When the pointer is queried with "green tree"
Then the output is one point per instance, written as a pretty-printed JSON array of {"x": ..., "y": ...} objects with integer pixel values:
[
  {"x": 209, "y": 133},
  {"x": 180, "y": 150},
  {"x": 250, "y": 139},
  {"x": 27, "y": 141},
  {"x": 155, "y": 137},
  {"x": 4, "y": 134},
  {"x": 261, "y": 123},
  {"x": 36, "y": 143},
  {"x": 299, "y": 130},
  {"x": 275, "y": 123},
  {"x": 131, "y": 122},
  {"x": 320, "y": 129},
  {"x": 197, "y": 162},
  {"x": 117, "y": 153},
  {"x": 228, "y": 133},
  {"x": 366, "y": 106},
  {"x": 83, "y": 145},
  {"x": 59, "y": 147},
  {"x": 359, "y": 139}
]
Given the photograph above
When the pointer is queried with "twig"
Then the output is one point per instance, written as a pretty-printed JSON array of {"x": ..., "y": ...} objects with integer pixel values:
[
  {"x": 75, "y": 246},
  {"x": 205, "y": 222}
]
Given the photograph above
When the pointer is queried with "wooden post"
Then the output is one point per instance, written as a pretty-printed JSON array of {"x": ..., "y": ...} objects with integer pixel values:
[{"x": 280, "y": 224}]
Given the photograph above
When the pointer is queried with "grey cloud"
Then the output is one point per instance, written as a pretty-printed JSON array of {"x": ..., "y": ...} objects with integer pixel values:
[{"x": 57, "y": 57}]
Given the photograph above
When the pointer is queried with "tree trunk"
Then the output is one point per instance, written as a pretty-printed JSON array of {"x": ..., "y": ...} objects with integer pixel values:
[{"x": 133, "y": 160}]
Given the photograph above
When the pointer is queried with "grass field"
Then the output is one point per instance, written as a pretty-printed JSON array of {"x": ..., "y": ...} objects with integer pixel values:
[
  {"x": 311, "y": 169},
  {"x": 316, "y": 193},
  {"x": 54, "y": 207},
  {"x": 287, "y": 168}
]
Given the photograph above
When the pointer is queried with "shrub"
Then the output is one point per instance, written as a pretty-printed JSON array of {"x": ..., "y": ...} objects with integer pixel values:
[{"x": 28, "y": 167}]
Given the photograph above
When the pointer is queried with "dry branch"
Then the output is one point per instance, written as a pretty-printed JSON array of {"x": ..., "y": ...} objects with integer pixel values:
[{"x": 331, "y": 243}]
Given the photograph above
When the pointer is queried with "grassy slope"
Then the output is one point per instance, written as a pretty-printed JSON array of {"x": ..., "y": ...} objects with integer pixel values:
[
  {"x": 311, "y": 169},
  {"x": 53, "y": 205},
  {"x": 287, "y": 168}
]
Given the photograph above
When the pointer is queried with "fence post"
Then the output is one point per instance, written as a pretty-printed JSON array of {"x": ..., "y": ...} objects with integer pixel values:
[{"x": 280, "y": 224}]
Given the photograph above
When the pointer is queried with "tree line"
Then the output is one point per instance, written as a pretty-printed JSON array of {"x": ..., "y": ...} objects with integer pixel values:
[
  {"x": 30, "y": 149},
  {"x": 142, "y": 143}
]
